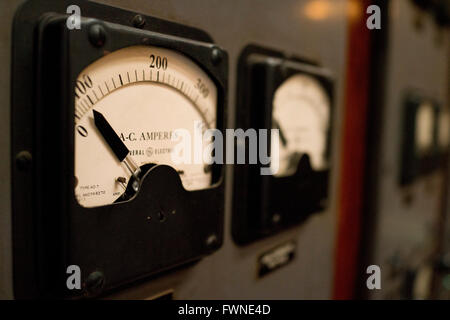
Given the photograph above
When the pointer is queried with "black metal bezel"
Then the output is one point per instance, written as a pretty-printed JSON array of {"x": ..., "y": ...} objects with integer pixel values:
[
  {"x": 256, "y": 198},
  {"x": 50, "y": 230}
]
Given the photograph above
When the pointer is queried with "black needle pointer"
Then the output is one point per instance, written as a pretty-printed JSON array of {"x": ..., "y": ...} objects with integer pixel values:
[
  {"x": 118, "y": 147},
  {"x": 115, "y": 143}
]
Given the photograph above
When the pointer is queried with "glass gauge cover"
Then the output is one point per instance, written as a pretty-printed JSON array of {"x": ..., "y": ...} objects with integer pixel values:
[{"x": 128, "y": 105}]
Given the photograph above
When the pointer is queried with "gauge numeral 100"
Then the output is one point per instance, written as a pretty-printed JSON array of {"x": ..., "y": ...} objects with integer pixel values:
[
  {"x": 82, "y": 86},
  {"x": 158, "y": 62},
  {"x": 202, "y": 88}
]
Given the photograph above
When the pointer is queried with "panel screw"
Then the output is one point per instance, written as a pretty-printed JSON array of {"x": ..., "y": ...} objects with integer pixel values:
[
  {"x": 216, "y": 56},
  {"x": 211, "y": 241},
  {"x": 94, "y": 283},
  {"x": 135, "y": 186},
  {"x": 276, "y": 218},
  {"x": 161, "y": 216},
  {"x": 97, "y": 35},
  {"x": 138, "y": 21},
  {"x": 23, "y": 160}
]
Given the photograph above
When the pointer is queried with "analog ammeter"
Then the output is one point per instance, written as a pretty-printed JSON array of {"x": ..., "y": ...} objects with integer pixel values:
[
  {"x": 293, "y": 100},
  {"x": 144, "y": 94},
  {"x": 424, "y": 138},
  {"x": 98, "y": 114}
]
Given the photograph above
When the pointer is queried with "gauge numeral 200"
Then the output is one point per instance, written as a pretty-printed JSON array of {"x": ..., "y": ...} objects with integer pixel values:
[
  {"x": 158, "y": 62},
  {"x": 82, "y": 86}
]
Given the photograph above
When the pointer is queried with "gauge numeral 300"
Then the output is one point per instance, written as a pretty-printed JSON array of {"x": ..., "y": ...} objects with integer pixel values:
[
  {"x": 158, "y": 62},
  {"x": 202, "y": 88}
]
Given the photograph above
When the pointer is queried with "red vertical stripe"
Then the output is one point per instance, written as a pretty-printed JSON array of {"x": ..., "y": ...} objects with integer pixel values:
[{"x": 351, "y": 183}]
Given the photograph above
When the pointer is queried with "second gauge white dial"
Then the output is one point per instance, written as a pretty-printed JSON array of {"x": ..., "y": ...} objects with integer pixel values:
[{"x": 301, "y": 112}]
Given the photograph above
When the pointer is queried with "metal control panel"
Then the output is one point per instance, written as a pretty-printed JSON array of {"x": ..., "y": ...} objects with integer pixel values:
[{"x": 181, "y": 40}]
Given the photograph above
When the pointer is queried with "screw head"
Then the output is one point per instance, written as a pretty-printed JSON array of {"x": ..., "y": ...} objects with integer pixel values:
[
  {"x": 23, "y": 160},
  {"x": 135, "y": 186},
  {"x": 212, "y": 241},
  {"x": 97, "y": 35},
  {"x": 138, "y": 21},
  {"x": 276, "y": 218},
  {"x": 216, "y": 56},
  {"x": 94, "y": 283},
  {"x": 161, "y": 216}
]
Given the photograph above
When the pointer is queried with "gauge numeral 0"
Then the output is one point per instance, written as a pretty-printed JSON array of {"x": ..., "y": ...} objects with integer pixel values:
[
  {"x": 202, "y": 88},
  {"x": 82, "y": 86},
  {"x": 82, "y": 131},
  {"x": 158, "y": 62}
]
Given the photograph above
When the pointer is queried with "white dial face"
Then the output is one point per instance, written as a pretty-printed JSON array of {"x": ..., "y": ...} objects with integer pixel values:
[
  {"x": 301, "y": 111},
  {"x": 143, "y": 94},
  {"x": 424, "y": 128},
  {"x": 444, "y": 129}
]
